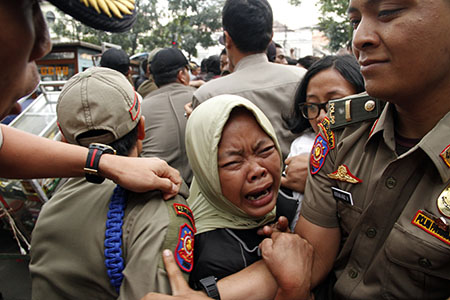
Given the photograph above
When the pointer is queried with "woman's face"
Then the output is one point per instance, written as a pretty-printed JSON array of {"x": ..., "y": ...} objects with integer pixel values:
[
  {"x": 249, "y": 165},
  {"x": 324, "y": 86}
]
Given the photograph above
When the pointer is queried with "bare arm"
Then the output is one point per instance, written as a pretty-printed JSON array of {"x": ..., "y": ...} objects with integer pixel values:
[
  {"x": 24, "y": 155},
  {"x": 325, "y": 242}
]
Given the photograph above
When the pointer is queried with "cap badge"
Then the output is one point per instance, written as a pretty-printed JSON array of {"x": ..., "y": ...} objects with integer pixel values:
[
  {"x": 344, "y": 174},
  {"x": 446, "y": 156},
  {"x": 117, "y": 7},
  {"x": 443, "y": 202}
]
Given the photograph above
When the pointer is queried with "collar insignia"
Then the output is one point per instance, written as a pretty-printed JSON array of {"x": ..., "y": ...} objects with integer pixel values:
[
  {"x": 446, "y": 156},
  {"x": 344, "y": 174},
  {"x": 443, "y": 202},
  {"x": 434, "y": 226}
]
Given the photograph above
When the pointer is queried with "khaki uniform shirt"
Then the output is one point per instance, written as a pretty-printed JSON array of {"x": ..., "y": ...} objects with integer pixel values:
[
  {"x": 269, "y": 86},
  {"x": 147, "y": 87},
  {"x": 411, "y": 258},
  {"x": 67, "y": 248},
  {"x": 165, "y": 126}
]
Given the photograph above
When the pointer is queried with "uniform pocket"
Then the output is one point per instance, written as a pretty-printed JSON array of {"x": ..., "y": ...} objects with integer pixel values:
[
  {"x": 348, "y": 216},
  {"x": 419, "y": 266}
]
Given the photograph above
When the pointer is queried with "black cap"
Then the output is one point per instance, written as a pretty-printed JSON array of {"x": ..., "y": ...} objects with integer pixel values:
[
  {"x": 167, "y": 60},
  {"x": 108, "y": 15},
  {"x": 115, "y": 59},
  {"x": 271, "y": 51}
]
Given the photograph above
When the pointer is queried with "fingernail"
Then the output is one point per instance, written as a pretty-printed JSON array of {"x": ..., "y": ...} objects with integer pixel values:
[{"x": 167, "y": 253}]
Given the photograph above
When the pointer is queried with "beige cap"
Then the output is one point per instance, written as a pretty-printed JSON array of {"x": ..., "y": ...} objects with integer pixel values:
[{"x": 98, "y": 99}]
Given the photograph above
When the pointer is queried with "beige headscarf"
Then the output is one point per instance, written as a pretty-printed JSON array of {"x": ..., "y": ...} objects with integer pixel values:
[{"x": 203, "y": 133}]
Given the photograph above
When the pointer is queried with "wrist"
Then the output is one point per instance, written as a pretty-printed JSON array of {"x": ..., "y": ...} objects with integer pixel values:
[{"x": 94, "y": 162}]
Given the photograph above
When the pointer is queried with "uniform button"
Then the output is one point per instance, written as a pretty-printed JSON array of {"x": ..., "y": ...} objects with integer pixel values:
[
  {"x": 353, "y": 274},
  {"x": 424, "y": 262},
  {"x": 391, "y": 182},
  {"x": 371, "y": 232}
]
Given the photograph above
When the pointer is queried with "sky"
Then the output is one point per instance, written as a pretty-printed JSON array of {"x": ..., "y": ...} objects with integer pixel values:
[{"x": 295, "y": 16}]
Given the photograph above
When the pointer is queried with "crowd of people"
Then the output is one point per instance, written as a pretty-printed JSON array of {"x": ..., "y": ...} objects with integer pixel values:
[{"x": 255, "y": 177}]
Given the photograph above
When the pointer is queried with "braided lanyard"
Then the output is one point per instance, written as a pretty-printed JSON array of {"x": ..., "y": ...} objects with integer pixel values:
[{"x": 113, "y": 237}]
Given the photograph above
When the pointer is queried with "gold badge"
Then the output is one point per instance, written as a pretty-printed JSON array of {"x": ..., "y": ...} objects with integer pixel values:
[
  {"x": 344, "y": 174},
  {"x": 443, "y": 202},
  {"x": 369, "y": 105}
]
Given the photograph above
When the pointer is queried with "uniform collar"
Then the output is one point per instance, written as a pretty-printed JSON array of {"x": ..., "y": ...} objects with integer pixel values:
[
  {"x": 251, "y": 60},
  {"x": 433, "y": 143}
]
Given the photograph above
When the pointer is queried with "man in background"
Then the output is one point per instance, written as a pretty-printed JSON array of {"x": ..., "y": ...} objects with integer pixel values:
[
  {"x": 163, "y": 110},
  {"x": 248, "y": 31}
]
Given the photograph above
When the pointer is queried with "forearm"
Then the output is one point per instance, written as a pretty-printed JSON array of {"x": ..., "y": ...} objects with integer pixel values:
[
  {"x": 24, "y": 155},
  {"x": 254, "y": 282}
]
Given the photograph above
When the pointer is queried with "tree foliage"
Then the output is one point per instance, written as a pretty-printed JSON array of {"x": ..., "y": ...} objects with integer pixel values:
[
  {"x": 188, "y": 23},
  {"x": 333, "y": 22}
]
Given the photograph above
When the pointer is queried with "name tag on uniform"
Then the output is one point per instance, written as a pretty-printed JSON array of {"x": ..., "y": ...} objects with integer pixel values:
[{"x": 342, "y": 195}]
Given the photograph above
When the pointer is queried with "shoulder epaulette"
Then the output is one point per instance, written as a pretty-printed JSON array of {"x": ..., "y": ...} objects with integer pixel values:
[{"x": 353, "y": 109}]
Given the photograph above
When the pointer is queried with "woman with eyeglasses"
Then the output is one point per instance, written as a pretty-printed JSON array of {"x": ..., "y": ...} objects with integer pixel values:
[{"x": 331, "y": 77}]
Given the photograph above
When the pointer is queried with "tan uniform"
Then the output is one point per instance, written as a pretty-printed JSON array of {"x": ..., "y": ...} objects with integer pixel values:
[
  {"x": 165, "y": 126},
  {"x": 147, "y": 87},
  {"x": 270, "y": 86},
  {"x": 67, "y": 251},
  {"x": 409, "y": 259}
]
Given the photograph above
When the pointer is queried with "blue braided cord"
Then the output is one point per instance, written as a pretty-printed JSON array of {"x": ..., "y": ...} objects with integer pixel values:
[{"x": 113, "y": 238}]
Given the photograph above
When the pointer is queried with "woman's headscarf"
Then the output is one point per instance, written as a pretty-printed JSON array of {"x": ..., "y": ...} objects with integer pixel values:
[{"x": 203, "y": 133}]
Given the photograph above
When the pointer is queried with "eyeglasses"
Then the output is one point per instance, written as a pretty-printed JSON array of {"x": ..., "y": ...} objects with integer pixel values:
[{"x": 312, "y": 110}]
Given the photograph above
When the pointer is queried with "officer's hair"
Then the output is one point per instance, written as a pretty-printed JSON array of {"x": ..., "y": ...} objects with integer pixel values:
[
  {"x": 249, "y": 24},
  {"x": 166, "y": 77},
  {"x": 346, "y": 65},
  {"x": 123, "y": 145}
]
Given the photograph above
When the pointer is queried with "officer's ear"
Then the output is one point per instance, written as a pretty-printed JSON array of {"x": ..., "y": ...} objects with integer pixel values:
[
  {"x": 141, "y": 128},
  {"x": 228, "y": 40}
]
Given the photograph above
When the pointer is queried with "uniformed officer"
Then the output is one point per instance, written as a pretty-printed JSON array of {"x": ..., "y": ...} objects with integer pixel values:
[
  {"x": 100, "y": 241},
  {"x": 25, "y": 39},
  {"x": 247, "y": 33},
  {"x": 376, "y": 206}
]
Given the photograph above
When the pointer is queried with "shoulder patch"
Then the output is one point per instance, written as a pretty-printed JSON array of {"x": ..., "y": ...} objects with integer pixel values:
[
  {"x": 445, "y": 155},
  {"x": 184, "y": 253},
  {"x": 431, "y": 226},
  {"x": 318, "y": 154},
  {"x": 329, "y": 134},
  {"x": 184, "y": 211}
]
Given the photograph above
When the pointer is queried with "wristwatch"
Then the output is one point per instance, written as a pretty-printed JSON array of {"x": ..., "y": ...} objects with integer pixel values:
[
  {"x": 209, "y": 284},
  {"x": 96, "y": 150}
]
